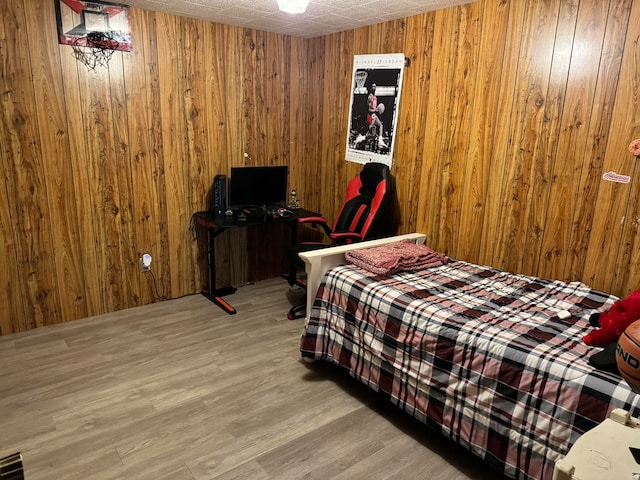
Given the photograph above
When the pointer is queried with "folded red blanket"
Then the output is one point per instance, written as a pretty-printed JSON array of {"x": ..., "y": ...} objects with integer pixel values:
[{"x": 402, "y": 256}]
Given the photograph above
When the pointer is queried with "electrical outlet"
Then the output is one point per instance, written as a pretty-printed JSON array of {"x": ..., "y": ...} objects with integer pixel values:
[{"x": 145, "y": 262}]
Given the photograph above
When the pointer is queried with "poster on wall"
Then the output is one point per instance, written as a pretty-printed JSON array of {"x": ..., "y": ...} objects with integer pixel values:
[
  {"x": 375, "y": 97},
  {"x": 79, "y": 22}
]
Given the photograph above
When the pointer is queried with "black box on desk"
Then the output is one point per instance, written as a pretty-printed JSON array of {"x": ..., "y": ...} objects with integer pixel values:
[{"x": 217, "y": 196}]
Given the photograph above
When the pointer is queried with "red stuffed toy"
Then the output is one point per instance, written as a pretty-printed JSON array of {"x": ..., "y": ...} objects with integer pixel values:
[{"x": 614, "y": 321}]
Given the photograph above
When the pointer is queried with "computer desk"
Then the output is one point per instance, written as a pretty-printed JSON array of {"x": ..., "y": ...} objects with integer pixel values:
[{"x": 216, "y": 224}]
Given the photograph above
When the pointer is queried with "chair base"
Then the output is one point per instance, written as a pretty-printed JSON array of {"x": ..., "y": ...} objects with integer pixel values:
[
  {"x": 294, "y": 281},
  {"x": 296, "y": 312},
  {"x": 299, "y": 310}
]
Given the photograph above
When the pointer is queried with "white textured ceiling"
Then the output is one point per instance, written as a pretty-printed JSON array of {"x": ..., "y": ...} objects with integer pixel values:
[{"x": 322, "y": 17}]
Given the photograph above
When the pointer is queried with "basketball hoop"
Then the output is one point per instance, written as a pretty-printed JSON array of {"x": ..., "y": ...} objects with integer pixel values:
[
  {"x": 361, "y": 77},
  {"x": 95, "y": 49}
]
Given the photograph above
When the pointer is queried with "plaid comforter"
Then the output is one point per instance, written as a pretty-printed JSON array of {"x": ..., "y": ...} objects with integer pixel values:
[{"x": 474, "y": 352}]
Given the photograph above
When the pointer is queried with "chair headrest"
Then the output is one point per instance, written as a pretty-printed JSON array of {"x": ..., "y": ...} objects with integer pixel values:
[{"x": 372, "y": 174}]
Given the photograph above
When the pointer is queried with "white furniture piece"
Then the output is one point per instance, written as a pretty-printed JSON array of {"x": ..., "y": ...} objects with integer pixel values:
[
  {"x": 317, "y": 262},
  {"x": 603, "y": 452}
]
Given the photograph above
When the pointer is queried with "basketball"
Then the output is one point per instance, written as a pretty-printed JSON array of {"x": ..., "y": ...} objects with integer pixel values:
[
  {"x": 380, "y": 108},
  {"x": 628, "y": 355}
]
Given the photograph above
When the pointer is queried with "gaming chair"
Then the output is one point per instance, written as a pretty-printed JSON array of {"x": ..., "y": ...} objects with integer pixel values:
[{"x": 369, "y": 211}]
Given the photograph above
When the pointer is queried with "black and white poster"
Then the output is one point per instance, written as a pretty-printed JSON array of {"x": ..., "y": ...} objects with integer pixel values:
[{"x": 375, "y": 97}]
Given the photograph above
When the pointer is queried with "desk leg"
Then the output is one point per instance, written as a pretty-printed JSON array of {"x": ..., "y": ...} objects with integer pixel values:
[
  {"x": 219, "y": 301},
  {"x": 215, "y": 294}
]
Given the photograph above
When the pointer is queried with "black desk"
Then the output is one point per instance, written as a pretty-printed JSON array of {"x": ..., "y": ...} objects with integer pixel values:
[{"x": 216, "y": 224}]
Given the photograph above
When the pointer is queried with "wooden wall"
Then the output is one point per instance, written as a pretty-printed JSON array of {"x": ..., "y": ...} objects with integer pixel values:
[
  {"x": 510, "y": 114},
  {"x": 100, "y": 167}
]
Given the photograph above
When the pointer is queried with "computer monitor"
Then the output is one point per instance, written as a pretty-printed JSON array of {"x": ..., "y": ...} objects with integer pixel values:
[{"x": 258, "y": 186}]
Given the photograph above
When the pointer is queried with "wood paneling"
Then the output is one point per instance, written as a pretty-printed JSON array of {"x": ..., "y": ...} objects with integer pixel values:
[
  {"x": 614, "y": 227},
  {"x": 100, "y": 167},
  {"x": 24, "y": 178},
  {"x": 58, "y": 173},
  {"x": 484, "y": 127},
  {"x": 600, "y": 108},
  {"x": 510, "y": 114}
]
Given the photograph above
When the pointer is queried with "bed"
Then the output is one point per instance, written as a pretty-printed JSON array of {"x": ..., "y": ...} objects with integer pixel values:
[{"x": 491, "y": 360}]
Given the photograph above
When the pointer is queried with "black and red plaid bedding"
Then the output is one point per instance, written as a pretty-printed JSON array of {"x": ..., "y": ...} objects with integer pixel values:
[{"x": 477, "y": 353}]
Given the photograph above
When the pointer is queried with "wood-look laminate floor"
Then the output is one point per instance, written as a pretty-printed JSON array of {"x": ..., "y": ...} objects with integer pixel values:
[{"x": 180, "y": 390}]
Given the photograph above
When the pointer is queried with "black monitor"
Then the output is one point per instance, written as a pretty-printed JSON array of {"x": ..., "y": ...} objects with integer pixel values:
[{"x": 258, "y": 186}]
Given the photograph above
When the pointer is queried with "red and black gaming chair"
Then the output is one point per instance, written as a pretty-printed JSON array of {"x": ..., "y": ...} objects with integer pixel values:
[{"x": 369, "y": 211}]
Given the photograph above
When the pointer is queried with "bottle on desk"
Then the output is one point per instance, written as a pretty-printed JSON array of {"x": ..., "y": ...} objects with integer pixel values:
[{"x": 293, "y": 199}]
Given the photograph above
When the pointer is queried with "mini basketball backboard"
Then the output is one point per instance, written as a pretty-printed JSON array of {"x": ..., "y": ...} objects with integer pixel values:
[{"x": 79, "y": 22}]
